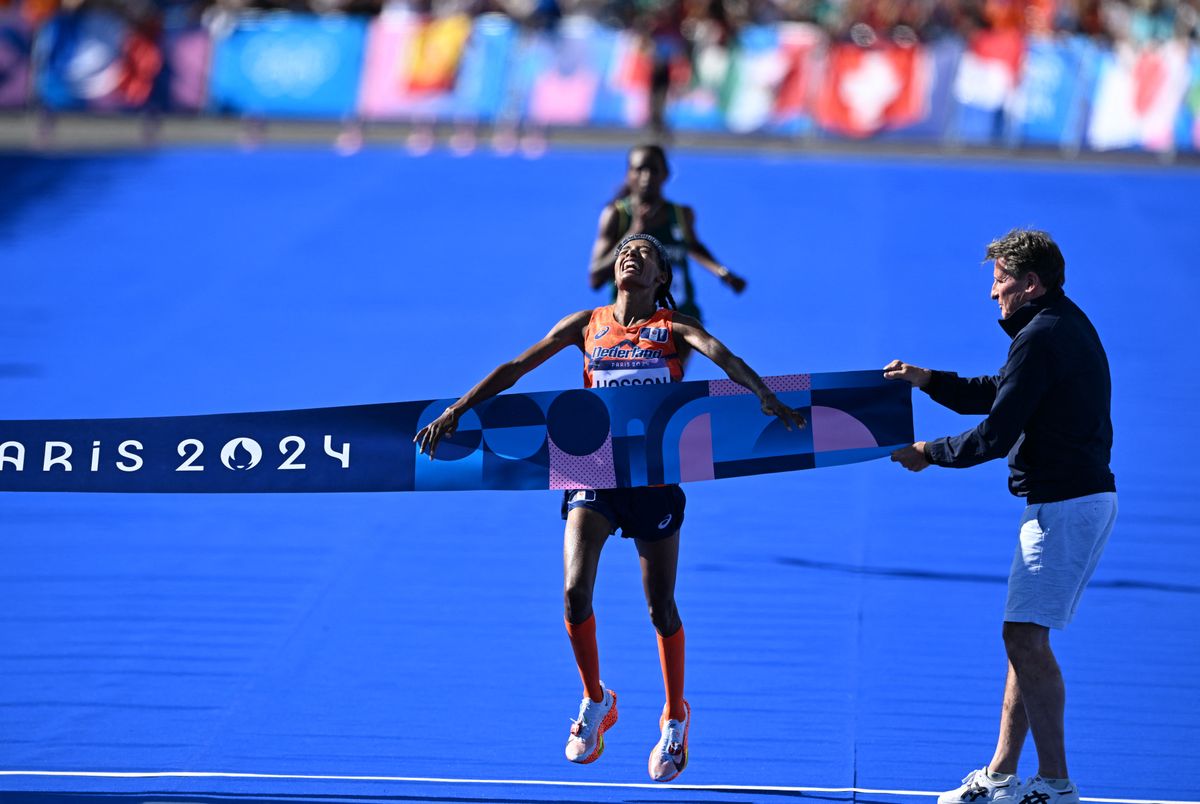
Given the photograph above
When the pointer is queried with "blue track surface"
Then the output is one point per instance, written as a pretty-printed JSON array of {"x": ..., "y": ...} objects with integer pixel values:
[{"x": 843, "y": 625}]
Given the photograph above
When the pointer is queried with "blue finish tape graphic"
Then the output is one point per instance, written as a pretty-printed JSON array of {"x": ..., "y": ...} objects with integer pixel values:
[{"x": 606, "y": 438}]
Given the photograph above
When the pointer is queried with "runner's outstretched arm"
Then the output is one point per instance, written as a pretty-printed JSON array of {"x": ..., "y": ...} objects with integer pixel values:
[
  {"x": 701, "y": 254},
  {"x": 696, "y": 336},
  {"x": 567, "y": 332}
]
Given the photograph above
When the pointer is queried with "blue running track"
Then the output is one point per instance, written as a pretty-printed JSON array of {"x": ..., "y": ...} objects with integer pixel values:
[{"x": 843, "y": 625}]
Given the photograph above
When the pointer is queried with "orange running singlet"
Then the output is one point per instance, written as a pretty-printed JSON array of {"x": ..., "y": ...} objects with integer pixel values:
[{"x": 643, "y": 354}]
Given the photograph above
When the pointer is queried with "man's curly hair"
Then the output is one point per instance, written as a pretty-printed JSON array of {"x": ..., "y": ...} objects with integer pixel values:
[{"x": 1026, "y": 250}]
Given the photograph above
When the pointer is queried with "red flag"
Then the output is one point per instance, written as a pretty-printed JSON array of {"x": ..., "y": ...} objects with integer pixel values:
[
  {"x": 987, "y": 74},
  {"x": 143, "y": 61},
  {"x": 797, "y": 43},
  {"x": 865, "y": 91},
  {"x": 629, "y": 76}
]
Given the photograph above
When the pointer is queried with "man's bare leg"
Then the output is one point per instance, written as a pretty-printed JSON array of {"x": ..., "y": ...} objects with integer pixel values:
[
  {"x": 1014, "y": 727},
  {"x": 1041, "y": 688}
]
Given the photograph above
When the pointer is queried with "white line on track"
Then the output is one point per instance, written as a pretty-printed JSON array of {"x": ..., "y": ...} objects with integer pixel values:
[{"x": 715, "y": 788}]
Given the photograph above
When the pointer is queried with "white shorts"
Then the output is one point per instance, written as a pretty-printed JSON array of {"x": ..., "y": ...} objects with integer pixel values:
[{"x": 1061, "y": 543}]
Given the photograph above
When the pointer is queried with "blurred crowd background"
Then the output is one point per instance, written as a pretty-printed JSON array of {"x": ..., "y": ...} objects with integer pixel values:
[
  {"x": 1071, "y": 74},
  {"x": 861, "y": 21}
]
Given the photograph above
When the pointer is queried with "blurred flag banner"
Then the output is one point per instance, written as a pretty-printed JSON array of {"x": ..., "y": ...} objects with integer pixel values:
[
  {"x": 290, "y": 65},
  {"x": 866, "y": 91},
  {"x": 95, "y": 60},
  {"x": 188, "y": 55},
  {"x": 801, "y": 45},
  {"x": 1138, "y": 97},
  {"x": 699, "y": 87},
  {"x": 582, "y": 74},
  {"x": 985, "y": 84},
  {"x": 16, "y": 45},
  {"x": 447, "y": 68},
  {"x": 562, "y": 75},
  {"x": 1057, "y": 80},
  {"x": 1187, "y": 129},
  {"x": 996, "y": 87},
  {"x": 625, "y": 100}
]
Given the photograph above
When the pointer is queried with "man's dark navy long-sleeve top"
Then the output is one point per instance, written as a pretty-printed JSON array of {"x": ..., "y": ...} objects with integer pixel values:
[{"x": 1047, "y": 409}]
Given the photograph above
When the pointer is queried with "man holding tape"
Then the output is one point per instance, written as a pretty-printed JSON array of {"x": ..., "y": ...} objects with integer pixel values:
[{"x": 1048, "y": 410}]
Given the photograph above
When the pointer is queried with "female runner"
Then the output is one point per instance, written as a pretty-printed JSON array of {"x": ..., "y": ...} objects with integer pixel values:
[
  {"x": 639, "y": 206},
  {"x": 639, "y": 338}
]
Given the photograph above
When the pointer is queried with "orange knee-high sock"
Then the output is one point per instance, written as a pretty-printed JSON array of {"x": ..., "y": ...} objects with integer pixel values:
[
  {"x": 670, "y": 655},
  {"x": 587, "y": 655}
]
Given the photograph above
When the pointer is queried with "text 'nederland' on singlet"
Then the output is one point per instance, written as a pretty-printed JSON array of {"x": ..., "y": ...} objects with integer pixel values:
[{"x": 643, "y": 354}]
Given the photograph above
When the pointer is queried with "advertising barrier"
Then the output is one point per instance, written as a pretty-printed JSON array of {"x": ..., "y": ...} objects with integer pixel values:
[
  {"x": 444, "y": 69},
  {"x": 1057, "y": 79},
  {"x": 1139, "y": 96},
  {"x": 785, "y": 79},
  {"x": 290, "y": 65}
]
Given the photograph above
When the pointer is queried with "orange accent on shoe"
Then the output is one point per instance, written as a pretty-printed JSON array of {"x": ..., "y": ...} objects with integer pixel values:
[
  {"x": 671, "y": 657},
  {"x": 687, "y": 725},
  {"x": 605, "y": 725},
  {"x": 587, "y": 655}
]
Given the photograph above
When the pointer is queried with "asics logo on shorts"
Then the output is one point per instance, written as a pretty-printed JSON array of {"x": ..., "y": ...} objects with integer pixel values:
[
  {"x": 601, "y": 334},
  {"x": 665, "y": 522}
]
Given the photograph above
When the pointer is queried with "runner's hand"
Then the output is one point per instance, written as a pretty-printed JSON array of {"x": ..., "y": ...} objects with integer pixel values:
[
  {"x": 773, "y": 407},
  {"x": 735, "y": 282},
  {"x": 441, "y": 427},
  {"x": 915, "y": 375}
]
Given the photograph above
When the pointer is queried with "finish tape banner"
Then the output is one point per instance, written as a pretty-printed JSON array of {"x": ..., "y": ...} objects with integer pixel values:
[{"x": 577, "y": 439}]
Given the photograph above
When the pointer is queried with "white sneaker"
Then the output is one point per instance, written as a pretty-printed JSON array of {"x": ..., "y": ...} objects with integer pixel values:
[
  {"x": 586, "y": 742},
  {"x": 669, "y": 756},
  {"x": 1037, "y": 790},
  {"x": 979, "y": 788}
]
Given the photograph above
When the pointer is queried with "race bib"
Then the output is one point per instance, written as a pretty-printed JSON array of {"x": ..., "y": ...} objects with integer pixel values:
[{"x": 621, "y": 373}]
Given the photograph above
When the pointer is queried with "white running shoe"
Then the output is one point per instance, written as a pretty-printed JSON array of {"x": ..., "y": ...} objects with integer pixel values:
[
  {"x": 586, "y": 742},
  {"x": 979, "y": 788},
  {"x": 670, "y": 754},
  {"x": 1037, "y": 790}
]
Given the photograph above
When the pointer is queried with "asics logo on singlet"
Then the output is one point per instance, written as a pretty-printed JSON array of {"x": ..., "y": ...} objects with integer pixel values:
[
  {"x": 622, "y": 353},
  {"x": 601, "y": 334}
]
